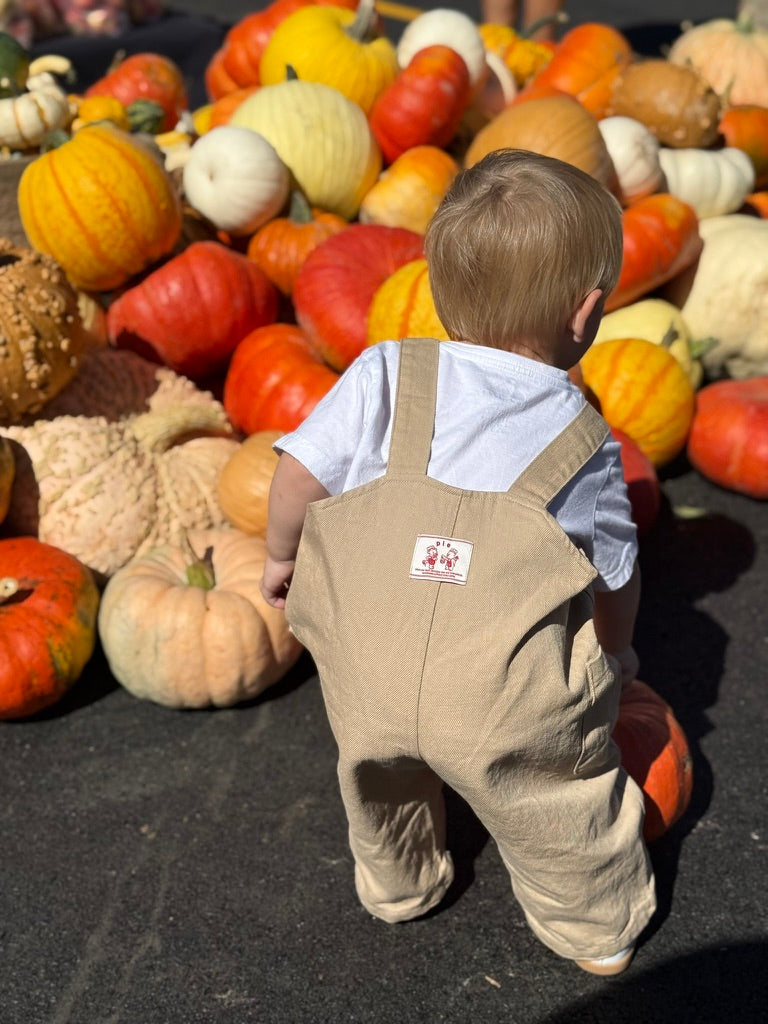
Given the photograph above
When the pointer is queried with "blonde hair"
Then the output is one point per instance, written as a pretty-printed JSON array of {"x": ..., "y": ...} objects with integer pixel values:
[{"x": 518, "y": 241}]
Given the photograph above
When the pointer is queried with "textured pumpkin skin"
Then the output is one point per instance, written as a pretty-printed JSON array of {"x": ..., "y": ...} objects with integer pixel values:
[
  {"x": 101, "y": 205},
  {"x": 402, "y": 307},
  {"x": 655, "y": 753},
  {"x": 194, "y": 309},
  {"x": 274, "y": 380},
  {"x": 644, "y": 392},
  {"x": 661, "y": 239},
  {"x": 555, "y": 126},
  {"x": 335, "y": 287},
  {"x": 728, "y": 440},
  {"x": 585, "y": 63},
  {"x": 47, "y": 627},
  {"x": 154, "y": 625},
  {"x": 146, "y": 76},
  {"x": 244, "y": 483}
]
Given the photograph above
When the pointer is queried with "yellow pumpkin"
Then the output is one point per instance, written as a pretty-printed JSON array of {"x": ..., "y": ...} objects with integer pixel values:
[
  {"x": 102, "y": 205},
  {"x": 321, "y": 136},
  {"x": 7, "y": 473},
  {"x": 402, "y": 307},
  {"x": 101, "y": 108},
  {"x": 244, "y": 482},
  {"x": 644, "y": 392},
  {"x": 556, "y": 126},
  {"x": 333, "y": 45},
  {"x": 409, "y": 190}
]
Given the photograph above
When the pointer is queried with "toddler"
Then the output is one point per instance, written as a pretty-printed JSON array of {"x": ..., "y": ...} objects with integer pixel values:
[{"x": 450, "y": 536}]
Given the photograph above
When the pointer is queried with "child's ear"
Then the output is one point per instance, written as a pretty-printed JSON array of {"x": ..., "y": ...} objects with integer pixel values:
[{"x": 586, "y": 316}]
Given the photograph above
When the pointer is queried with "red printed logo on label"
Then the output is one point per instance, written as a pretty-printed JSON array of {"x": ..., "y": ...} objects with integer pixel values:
[{"x": 445, "y": 559}]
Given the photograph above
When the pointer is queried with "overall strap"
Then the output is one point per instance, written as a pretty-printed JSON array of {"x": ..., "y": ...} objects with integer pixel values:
[
  {"x": 415, "y": 400},
  {"x": 563, "y": 457}
]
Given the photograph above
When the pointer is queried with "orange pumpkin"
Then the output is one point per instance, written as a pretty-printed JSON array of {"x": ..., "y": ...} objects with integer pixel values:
[
  {"x": 146, "y": 76},
  {"x": 644, "y": 392},
  {"x": 48, "y": 606},
  {"x": 402, "y": 307},
  {"x": 274, "y": 380},
  {"x": 225, "y": 106},
  {"x": 585, "y": 63},
  {"x": 282, "y": 245},
  {"x": 746, "y": 128},
  {"x": 728, "y": 440},
  {"x": 409, "y": 191},
  {"x": 244, "y": 482},
  {"x": 655, "y": 753},
  {"x": 218, "y": 82},
  {"x": 102, "y": 205},
  {"x": 661, "y": 239}
]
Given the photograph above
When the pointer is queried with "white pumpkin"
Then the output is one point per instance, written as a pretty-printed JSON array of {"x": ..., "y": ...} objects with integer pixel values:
[
  {"x": 725, "y": 295},
  {"x": 323, "y": 138},
  {"x": 634, "y": 150},
  {"x": 26, "y": 119},
  {"x": 713, "y": 181},
  {"x": 236, "y": 179},
  {"x": 444, "y": 27}
]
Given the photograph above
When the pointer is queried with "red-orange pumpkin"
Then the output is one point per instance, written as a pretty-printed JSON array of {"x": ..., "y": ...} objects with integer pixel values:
[
  {"x": 661, "y": 239},
  {"x": 48, "y": 606},
  {"x": 655, "y": 753},
  {"x": 334, "y": 289},
  {"x": 193, "y": 310},
  {"x": 146, "y": 76},
  {"x": 728, "y": 439},
  {"x": 642, "y": 480},
  {"x": 274, "y": 380},
  {"x": 746, "y": 127}
]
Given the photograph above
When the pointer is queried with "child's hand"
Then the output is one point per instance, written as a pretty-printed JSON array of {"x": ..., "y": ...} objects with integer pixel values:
[
  {"x": 276, "y": 580},
  {"x": 629, "y": 663}
]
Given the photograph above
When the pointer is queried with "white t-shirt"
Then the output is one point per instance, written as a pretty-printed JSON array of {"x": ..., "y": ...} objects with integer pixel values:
[{"x": 495, "y": 412}]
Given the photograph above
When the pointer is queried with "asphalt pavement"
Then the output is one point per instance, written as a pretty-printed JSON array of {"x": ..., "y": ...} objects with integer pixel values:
[{"x": 169, "y": 867}]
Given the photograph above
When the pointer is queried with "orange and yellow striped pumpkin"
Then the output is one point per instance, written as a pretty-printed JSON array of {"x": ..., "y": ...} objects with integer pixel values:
[
  {"x": 644, "y": 392},
  {"x": 102, "y": 205},
  {"x": 402, "y": 306}
]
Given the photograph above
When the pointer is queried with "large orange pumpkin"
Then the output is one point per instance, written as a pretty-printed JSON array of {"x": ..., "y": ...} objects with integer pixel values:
[
  {"x": 244, "y": 483},
  {"x": 655, "y": 753},
  {"x": 403, "y": 307},
  {"x": 48, "y": 606},
  {"x": 102, "y": 205}
]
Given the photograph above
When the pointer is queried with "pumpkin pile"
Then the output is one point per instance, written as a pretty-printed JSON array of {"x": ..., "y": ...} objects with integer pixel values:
[{"x": 229, "y": 262}]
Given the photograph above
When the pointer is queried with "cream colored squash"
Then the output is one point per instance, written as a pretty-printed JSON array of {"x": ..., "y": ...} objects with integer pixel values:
[
  {"x": 713, "y": 181},
  {"x": 26, "y": 119},
  {"x": 725, "y": 295},
  {"x": 322, "y": 137},
  {"x": 235, "y": 178},
  {"x": 655, "y": 320},
  {"x": 446, "y": 27},
  {"x": 634, "y": 150}
]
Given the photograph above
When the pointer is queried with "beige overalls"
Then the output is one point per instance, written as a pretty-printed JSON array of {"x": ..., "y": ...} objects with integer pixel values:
[{"x": 453, "y": 636}]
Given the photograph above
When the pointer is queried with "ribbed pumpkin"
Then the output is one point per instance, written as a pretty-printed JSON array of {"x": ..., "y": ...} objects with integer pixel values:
[
  {"x": 644, "y": 392},
  {"x": 244, "y": 482},
  {"x": 102, "y": 205},
  {"x": 556, "y": 126},
  {"x": 323, "y": 137},
  {"x": 403, "y": 307},
  {"x": 409, "y": 191},
  {"x": 655, "y": 753},
  {"x": 335, "y": 46},
  {"x": 48, "y": 606}
]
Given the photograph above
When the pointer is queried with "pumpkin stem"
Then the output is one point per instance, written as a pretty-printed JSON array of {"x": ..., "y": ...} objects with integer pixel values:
[
  {"x": 290, "y": 73},
  {"x": 365, "y": 26},
  {"x": 670, "y": 335},
  {"x": 200, "y": 573},
  {"x": 161, "y": 429},
  {"x": 561, "y": 18},
  {"x": 117, "y": 60},
  {"x": 300, "y": 211},
  {"x": 9, "y": 586}
]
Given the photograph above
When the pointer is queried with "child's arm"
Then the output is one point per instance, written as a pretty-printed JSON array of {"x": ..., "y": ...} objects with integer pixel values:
[
  {"x": 615, "y": 614},
  {"x": 293, "y": 488}
]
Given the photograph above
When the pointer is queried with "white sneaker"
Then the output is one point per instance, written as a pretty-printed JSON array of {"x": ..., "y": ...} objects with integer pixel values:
[{"x": 608, "y": 965}]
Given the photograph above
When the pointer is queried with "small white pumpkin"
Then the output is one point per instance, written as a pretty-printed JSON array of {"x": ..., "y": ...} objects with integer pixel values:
[
  {"x": 235, "y": 178},
  {"x": 26, "y": 119},
  {"x": 634, "y": 150},
  {"x": 444, "y": 27},
  {"x": 713, "y": 181}
]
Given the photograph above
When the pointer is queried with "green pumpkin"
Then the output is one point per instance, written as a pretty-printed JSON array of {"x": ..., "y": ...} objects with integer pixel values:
[{"x": 14, "y": 66}]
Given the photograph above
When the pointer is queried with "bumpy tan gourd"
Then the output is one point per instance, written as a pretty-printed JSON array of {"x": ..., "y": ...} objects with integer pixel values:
[
  {"x": 126, "y": 458},
  {"x": 676, "y": 103},
  {"x": 42, "y": 334}
]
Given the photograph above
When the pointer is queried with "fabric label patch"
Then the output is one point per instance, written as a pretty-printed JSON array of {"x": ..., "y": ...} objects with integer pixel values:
[{"x": 441, "y": 558}]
